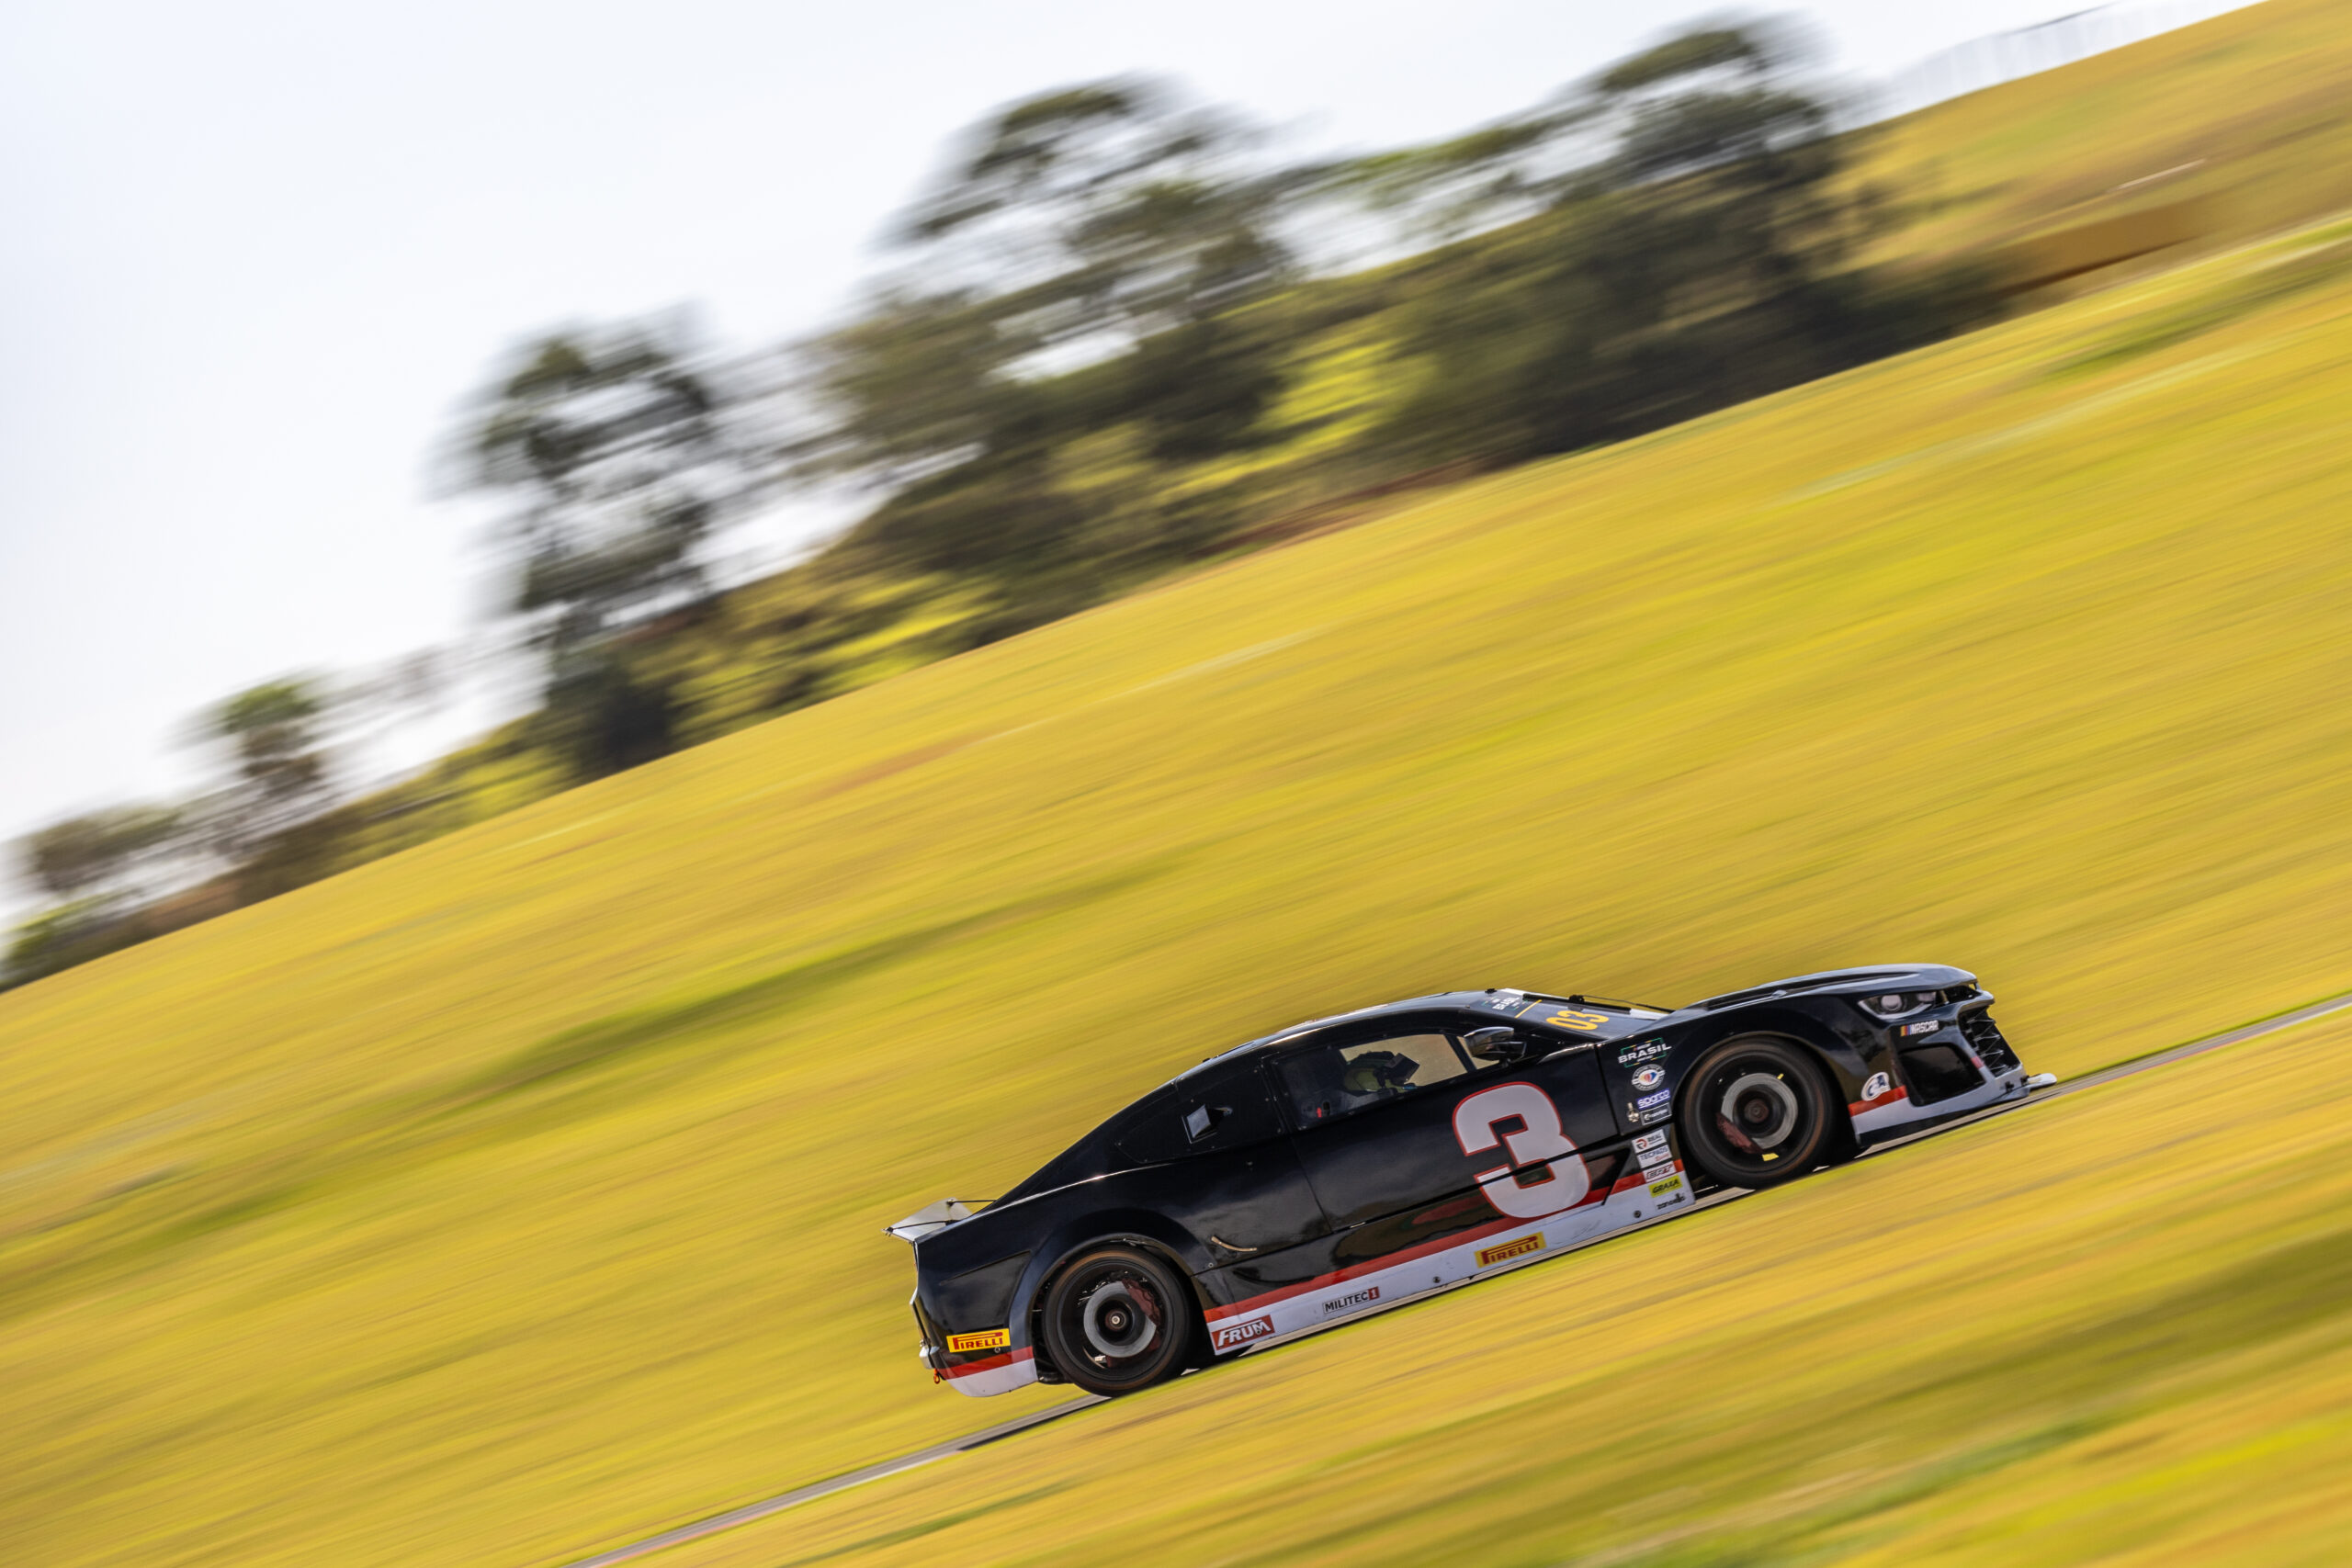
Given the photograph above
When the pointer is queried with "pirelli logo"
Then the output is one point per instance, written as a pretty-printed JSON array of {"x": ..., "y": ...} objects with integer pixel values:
[
  {"x": 1509, "y": 1250},
  {"x": 986, "y": 1339},
  {"x": 1226, "y": 1336}
]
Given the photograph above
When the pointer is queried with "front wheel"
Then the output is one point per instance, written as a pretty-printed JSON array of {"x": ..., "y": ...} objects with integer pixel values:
[
  {"x": 1118, "y": 1320},
  {"x": 1758, "y": 1113}
]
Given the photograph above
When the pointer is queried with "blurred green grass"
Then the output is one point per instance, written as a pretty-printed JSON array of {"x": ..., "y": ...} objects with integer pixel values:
[
  {"x": 520, "y": 1193},
  {"x": 2245, "y": 113}
]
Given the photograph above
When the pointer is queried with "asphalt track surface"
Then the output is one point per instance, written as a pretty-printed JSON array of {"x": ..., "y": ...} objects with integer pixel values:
[{"x": 954, "y": 1446}]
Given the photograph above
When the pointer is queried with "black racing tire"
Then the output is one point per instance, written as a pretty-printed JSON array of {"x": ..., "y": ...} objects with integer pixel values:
[
  {"x": 1119, "y": 1319},
  {"x": 1757, "y": 1111}
]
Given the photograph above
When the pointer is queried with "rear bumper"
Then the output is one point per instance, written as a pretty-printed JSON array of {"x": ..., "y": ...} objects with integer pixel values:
[
  {"x": 1000, "y": 1373},
  {"x": 978, "y": 1375}
]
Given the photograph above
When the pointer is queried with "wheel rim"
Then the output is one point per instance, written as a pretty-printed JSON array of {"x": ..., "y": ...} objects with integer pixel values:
[
  {"x": 1119, "y": 1318},
  {"x": 1757, "y": 1112},
  {"x": 1756, "y": 1115},
  {"x": 1117, "y": 1321}
]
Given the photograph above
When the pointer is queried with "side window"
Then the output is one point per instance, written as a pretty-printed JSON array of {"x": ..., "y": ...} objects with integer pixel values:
[
  {"x": 1220, "y": 1108},
  {"x": 1325, "y": 1081}
]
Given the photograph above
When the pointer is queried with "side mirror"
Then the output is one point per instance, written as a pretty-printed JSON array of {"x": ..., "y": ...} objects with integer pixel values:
[
  {"x": 1499, "y": 1044},
  {"x": 1202, "y": 1118}
]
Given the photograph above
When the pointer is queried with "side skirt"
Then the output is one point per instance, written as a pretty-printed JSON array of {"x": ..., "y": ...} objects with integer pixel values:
[{"x": 1489, "y": 1248}]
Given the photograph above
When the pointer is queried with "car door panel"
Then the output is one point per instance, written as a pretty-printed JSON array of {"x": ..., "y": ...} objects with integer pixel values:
[
  {"x": 1499, "y": 1144},
  {"x": 1415, "y": 1228}
]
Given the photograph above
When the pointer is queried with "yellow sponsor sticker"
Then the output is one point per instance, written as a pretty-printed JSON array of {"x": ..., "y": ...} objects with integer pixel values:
[
  {"x": 1509, "y": 1250},
  {"x": 1660, "y": 1188},
  {"x": 988, "y": 1339}
]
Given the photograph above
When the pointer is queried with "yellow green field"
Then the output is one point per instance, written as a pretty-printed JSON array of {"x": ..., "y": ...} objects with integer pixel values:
[
  {"x": 521, "y": 1193},
  {"x": 2249, "y": 113}
]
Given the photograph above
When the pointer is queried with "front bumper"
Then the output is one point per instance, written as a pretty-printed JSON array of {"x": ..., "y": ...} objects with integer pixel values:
[{"x": 1962, "y": 1062}]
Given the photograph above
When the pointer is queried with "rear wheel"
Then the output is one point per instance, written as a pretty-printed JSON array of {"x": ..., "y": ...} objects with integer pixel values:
[
  {"x": 1118, "y": 1320},
  {"x": 1758, "y": 1113}
]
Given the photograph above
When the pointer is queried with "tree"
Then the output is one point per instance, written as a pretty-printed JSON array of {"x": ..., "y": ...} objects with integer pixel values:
[
  {"x": 1085, "y": 263},
  {"x": 96, "y": 867},
  {"x": 276, "y": 733},
  {"x": 619, "y": 457},
  {"x": 103, "y": 854},
  {"x": 1098, "y": 216},
  {"x": 1680, "y": 240}
]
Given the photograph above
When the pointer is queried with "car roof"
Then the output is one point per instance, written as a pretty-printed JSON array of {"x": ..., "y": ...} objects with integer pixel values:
[
  {"x": 1509, "y": 1002},
  {"x": 1506, "y": 1002}
]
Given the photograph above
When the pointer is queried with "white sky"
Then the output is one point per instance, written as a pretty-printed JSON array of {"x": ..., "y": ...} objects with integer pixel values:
[{"x": 254, "y": 254}]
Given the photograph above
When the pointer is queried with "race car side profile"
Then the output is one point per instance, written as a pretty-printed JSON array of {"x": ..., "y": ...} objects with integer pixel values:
[{"x": 1346, "y": 1163}]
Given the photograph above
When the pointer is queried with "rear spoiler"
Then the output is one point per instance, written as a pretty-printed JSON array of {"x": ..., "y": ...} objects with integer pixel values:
[{"x": 936, "y": 1216}]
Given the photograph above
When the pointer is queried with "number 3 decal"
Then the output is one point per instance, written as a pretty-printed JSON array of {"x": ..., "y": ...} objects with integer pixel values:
[{"x": 1539, "y": 1138}]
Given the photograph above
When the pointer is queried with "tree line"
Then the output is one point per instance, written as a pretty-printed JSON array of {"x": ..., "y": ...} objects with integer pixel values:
[{"x": 1107, "y": 340}]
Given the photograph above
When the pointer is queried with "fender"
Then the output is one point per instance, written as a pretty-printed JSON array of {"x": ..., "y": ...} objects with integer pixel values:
[
  {"x": 1647, "y": 1074},
  {"x": 1846, "y": 1058},
  {"x": 1138, "y": 1228}
]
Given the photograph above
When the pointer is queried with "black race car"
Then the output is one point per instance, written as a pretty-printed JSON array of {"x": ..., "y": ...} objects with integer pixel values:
[{"x": 1349, "y": 1162}]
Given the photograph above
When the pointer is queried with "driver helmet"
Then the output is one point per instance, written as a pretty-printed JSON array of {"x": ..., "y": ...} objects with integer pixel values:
[{"x": 1374, "y": 1071}]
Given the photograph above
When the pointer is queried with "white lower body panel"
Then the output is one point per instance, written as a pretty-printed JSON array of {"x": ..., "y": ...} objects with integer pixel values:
[
  {"x": 1489, "y": 1248},
  {"x": 998, "y": 1374}
]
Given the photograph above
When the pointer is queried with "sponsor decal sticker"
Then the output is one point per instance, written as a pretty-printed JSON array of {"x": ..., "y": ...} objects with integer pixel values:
[
  {"x": 1660, "y": 1188},
  {"x": 1509, "y": 1250},
  {"x": 1649, "y": 1141},
  {"x": 1364, "y": 1297},
  {"x": 1629, "y": 1054},
  {"x": 1537, "y": 1146},
  {"x": 1926, "y": 1026},
  {"x": 1659, "y": 1155},
  {"x": 1645, "y": 1118},
  {"x": 1226, "y": 1336},
  {"x": 1661, "y": 1097},
  {"x": 1649, "y": 1078},
  {"x": 1878, "y": 1085},
  {"x": 986, "y": 1339}
]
